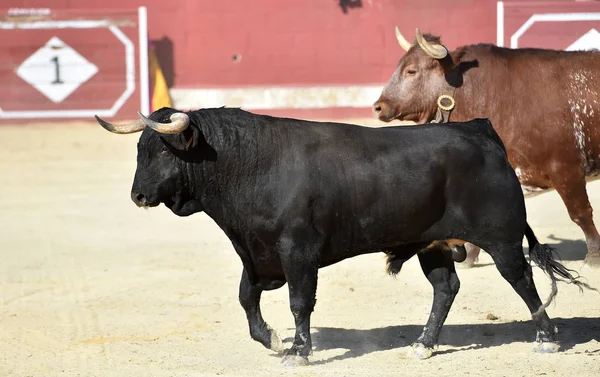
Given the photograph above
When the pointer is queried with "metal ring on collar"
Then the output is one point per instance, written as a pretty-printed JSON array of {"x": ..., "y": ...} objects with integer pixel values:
[{"x": 448, "y": 107}]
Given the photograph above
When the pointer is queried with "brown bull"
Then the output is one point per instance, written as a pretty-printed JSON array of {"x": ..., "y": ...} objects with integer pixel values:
[{"x": 544, "y": 104}]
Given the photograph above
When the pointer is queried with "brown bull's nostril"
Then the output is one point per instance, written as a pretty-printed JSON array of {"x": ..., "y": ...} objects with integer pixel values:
[{"x": 380, "y": 108}]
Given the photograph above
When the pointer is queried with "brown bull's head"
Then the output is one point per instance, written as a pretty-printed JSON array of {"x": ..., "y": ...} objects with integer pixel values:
[{"x": 418, "y": 81}]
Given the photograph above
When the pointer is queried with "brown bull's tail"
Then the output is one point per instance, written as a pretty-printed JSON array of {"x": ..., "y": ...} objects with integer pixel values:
[{"x": 544, "y": 257}]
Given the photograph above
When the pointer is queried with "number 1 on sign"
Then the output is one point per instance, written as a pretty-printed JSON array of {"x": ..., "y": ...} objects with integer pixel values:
[{"x": 57, "y": 80}]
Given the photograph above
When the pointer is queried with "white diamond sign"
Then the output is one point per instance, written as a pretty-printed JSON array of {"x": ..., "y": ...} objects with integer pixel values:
[
  {"x": 56, "y": 70},
  {"x": 588, "y": 41}
]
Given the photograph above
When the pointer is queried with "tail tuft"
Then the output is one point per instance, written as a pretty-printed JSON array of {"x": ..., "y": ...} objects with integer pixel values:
[{"x": 545, "y": 257}]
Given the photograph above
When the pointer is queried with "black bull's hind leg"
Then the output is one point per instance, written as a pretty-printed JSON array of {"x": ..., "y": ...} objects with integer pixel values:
[
  {"x": 513, "y": 267},
  {"x": 259, "y": 330},
  {"x": 438, "y": 267}
]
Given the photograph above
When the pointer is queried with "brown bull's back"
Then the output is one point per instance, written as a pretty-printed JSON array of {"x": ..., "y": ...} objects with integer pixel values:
[{"x": 542, "y": 103}]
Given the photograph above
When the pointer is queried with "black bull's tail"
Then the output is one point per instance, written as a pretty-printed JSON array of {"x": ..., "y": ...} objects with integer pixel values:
[{"x": 543, "y": 256}]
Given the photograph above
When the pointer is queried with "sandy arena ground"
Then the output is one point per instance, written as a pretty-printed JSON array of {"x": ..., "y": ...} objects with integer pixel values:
[{"x": 90, "y": 285}]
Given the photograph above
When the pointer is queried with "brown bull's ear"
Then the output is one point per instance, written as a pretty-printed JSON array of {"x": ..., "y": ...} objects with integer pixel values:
[
  {"x": 456, "y": 64},
  {"x": 454, "y": 61}
]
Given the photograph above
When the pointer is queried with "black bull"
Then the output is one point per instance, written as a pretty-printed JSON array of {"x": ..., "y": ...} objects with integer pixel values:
[{"x": 294, "y": 196}]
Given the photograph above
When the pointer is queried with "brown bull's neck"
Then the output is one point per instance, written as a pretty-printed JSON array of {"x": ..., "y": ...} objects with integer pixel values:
[
  {"x": 470, "y": 79},
  {"x": 465, "y": 108},
  {"x": 445, "y": 105}
]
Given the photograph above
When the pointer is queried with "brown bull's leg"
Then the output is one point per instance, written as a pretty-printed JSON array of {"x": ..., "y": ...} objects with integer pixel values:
[
  {"x": 570, "y": 185},
  {"x": 259, "y": 330},
  {"x": 438, "y": 267}
]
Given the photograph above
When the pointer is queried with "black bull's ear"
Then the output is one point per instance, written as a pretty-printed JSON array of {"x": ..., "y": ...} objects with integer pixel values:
[
  {"x": 187, "y": 140},
  {"x": 189, "y": 144}
]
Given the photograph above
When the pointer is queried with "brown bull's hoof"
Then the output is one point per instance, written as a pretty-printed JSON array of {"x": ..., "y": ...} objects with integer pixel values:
[
  {"x": 592, "y": 260},
  {"x": 467, "y": 263},
  {"x": 294, "y": 361},
  {"x": 472, "y": 256}
]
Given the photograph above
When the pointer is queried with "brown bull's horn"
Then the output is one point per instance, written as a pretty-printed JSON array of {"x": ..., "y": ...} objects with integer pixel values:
[
  {"x": 130, "y": 128},
  {"x": 436, "y": 51},
  {"x": 179, "y": 122},
  {"x": 402, "y": 41}
]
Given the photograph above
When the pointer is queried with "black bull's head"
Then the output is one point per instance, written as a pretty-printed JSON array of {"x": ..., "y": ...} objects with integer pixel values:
[
  {"x": 164, "y": 160},
  {"x": 422, "y": 78}
]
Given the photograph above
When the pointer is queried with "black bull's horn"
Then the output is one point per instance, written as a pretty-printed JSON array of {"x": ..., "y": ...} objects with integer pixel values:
[
  {"x": 130, "y": 128},
  {"x": 179, "y": 122}
]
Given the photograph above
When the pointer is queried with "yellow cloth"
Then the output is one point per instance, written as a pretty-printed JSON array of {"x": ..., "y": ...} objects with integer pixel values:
[{"x": 160, "y": 91}]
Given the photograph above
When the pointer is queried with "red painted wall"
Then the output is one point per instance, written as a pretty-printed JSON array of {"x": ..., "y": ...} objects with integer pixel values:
[{"x": 308, "y": 42}]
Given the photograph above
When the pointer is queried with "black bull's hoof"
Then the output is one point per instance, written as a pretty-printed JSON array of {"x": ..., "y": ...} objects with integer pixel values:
[
  {"x": 419, "y": 351},
  {"x": 546, "y": 347},
  {"x": 294, "y": 361}
]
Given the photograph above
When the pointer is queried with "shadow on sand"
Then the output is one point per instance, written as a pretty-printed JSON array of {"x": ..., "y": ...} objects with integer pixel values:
[
  {"x": 569, "y": 250},
  {"x": 571, "y": 331},
  {"x": 566, "y": 250}
]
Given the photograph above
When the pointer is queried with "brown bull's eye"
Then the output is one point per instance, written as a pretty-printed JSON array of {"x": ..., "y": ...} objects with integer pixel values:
[{"x": 410, "y": 72}]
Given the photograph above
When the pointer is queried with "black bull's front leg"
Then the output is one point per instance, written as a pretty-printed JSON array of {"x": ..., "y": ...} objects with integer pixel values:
[
  {"x": 260, "y": 331},
  {"x": 302, "y": 301},
  {"x": 300, "y": 266}
]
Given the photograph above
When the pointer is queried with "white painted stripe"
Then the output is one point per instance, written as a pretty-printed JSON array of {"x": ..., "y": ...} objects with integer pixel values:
[
  {"x": 267, "y": 98},
  {"x": 500, "y": 24},
  {"x": 129, "y": 69},
  {"x": 29, "y": 11},
  {"x": 551, "y": 17},
  {"x": 144, "y": 77},
  {"x": 77, "y": 24},
  {"x": 36, "y": 114}
]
